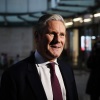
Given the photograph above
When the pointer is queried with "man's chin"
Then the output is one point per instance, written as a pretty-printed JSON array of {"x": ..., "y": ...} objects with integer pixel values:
[{"x": 55, "y": 55}]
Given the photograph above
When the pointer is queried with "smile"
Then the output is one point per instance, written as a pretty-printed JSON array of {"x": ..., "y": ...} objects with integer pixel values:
[{"x": 54, "y": 46}]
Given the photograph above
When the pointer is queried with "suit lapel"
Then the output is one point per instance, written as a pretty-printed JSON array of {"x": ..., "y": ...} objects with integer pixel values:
[
  {"x": 34, "y": 80},
  {"x": 67, "y": 77}
]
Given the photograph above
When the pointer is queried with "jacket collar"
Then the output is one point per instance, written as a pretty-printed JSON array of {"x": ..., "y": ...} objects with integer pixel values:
[{"x": 34, "y": 79}]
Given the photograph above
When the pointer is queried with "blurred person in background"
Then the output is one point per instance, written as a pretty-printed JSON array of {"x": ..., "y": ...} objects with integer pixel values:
[
  {"x": 93, "y": 63},
  {"x": 4, "y": 60},
  {"x": 17, "y": 58}
]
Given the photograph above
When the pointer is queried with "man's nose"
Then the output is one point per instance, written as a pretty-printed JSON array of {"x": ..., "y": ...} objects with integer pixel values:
[{"x": 56, "y": 38}]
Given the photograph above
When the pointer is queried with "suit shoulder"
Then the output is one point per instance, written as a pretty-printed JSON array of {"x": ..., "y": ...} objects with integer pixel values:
[{"x": 63, "y": 62}]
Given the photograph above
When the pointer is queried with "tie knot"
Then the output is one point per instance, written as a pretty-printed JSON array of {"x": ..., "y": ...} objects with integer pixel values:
[
  {"x": 52, "y": 64},
  {"x": 52, "y": 67}
]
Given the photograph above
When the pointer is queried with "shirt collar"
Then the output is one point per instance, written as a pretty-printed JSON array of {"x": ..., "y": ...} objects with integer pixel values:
[{"x": 41, "y": 60}]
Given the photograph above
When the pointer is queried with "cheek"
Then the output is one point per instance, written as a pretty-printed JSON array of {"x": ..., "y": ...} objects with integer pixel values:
[
  {"x": 46, "y": 40},
  {"x": 41, "y": 39},
  {"x": 43, "y": 43},
  {"x": 63, "y": 42}
]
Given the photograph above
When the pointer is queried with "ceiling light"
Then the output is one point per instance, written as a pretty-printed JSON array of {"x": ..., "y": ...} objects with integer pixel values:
[
  {"x": 97, "y": 15},
  {"x": 77, "y": 19},
  {"x": 68, "y": 23},
  {"x": 87, "y": 20},
  {"x": 93, "y": 37}
]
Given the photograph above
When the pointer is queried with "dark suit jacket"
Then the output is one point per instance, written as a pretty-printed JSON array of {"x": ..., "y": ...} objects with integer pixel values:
[{"x": 22, "y": 82}]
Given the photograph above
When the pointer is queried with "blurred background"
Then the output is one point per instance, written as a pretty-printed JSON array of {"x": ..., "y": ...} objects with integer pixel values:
[{"x": 17, "y": 24}]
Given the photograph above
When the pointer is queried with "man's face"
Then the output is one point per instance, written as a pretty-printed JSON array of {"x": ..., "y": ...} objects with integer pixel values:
[{"x": 50, "y": 44}]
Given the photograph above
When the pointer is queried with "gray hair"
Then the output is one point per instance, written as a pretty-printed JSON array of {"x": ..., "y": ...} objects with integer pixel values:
[{"x": 42, "y": 22}]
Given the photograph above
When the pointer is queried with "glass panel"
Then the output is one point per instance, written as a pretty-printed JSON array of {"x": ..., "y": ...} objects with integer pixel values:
[
  {"x": 1, "y": 18},
  {"x": 14, "y": 19}
]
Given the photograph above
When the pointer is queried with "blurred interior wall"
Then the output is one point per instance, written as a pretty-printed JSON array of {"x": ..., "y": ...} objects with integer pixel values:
[{"x": 16, "y": 40}]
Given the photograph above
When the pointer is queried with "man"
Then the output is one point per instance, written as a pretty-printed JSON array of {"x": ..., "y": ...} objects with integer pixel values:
[{"x": 31, "y": 79}]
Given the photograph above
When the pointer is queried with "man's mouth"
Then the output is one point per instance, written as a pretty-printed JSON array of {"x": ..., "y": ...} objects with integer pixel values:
[{"x": 55, "y": 46}]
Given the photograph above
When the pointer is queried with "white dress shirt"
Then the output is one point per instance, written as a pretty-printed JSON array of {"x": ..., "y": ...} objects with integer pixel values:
[{"x": 44, "y": 73}]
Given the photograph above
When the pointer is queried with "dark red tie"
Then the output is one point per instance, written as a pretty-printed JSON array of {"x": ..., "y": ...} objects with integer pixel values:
[{"x": 57, "y": 94}]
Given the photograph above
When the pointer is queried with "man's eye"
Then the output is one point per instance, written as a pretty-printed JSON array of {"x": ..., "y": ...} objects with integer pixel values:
[
  {"x": 62, "y": 34},
  {"x": 52, "y": 34}
]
